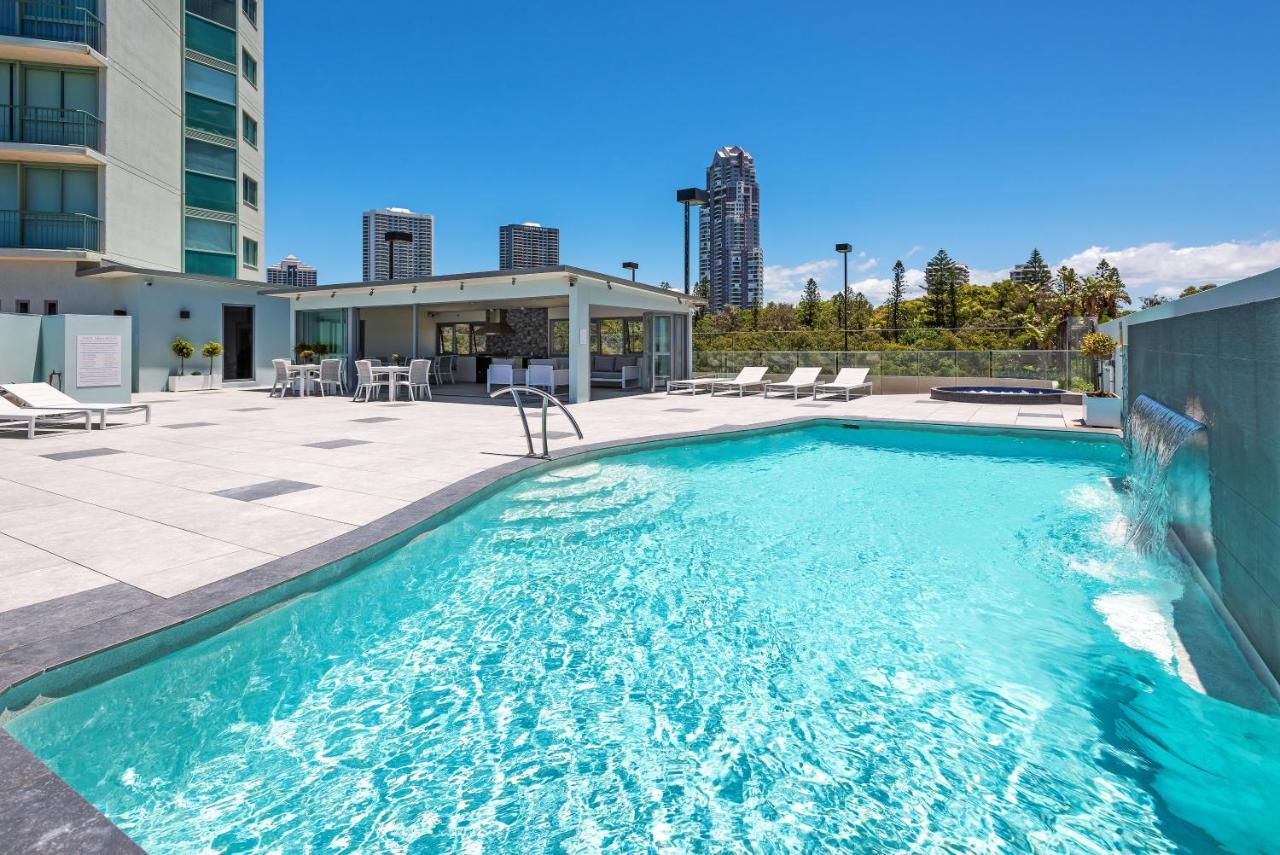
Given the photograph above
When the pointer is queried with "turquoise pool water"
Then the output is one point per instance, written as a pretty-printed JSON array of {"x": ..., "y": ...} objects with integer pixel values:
[{"x": 874, "y": 640}]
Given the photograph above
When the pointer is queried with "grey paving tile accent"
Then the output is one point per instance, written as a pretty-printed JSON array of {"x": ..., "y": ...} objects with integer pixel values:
[
  {"x": 680, "y": 410},
  {"x": 84, "y": 452},
  {"x": 1057, "y": 416},
  {"x": 250, "y": 409},
  {"x": 823, "y": 406},
  {"x": 336, "y": 443},
  {"x": 264, "y": 490},
  {"x": 189, "y": 425},
  {"x": 373, "y": 420},
  {"x": 18, "y": 626},
  {"x": 40, "y": 813},
  {"x": 559, "y": 434}
]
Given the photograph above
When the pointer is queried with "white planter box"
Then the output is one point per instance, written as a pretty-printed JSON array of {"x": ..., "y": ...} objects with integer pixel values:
[
  {"x": 1101, "y": 412},
  {"x": 194, "y": 382}
]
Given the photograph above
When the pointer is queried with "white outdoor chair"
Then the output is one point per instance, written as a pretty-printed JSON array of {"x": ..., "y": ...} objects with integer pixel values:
[
  {"x": 541, "y": 377},
  {"x": 499, "y": 375},
  {"x": 365, "y": 384},
  {"x": 442, "y": 367},
  {"x": 286, "y": 378},
  {"x": 11, "y": 412},
  {"x": 330, "y": 379},
  {"x": 420, "y": 376},
  {"x": 42, "y": 396},
  {"x": 847, "y": 381},
  {"x": 376, "y": 363},
  {"x": 751, "y": 377},
  {"x": 801, "y": 379}
]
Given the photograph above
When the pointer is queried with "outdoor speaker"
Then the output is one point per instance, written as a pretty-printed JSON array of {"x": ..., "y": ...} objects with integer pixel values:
[{"x": 185, "y": 314}]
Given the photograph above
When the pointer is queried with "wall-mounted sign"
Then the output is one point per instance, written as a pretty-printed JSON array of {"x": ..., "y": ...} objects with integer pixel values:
[{"x": 98, "y": 359}]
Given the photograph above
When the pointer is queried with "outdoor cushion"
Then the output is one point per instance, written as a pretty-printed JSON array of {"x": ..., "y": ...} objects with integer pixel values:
[
  {"x": 626, "y": 360},
  {"x": 603, "y": 363}
]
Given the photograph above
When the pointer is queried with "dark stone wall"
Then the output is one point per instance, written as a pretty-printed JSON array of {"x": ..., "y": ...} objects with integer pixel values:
[
  {"x": 529, "y": 338},
  {"x": 1222, "y": 367}
]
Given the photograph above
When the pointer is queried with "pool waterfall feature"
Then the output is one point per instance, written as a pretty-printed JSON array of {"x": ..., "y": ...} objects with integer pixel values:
[{"x": 1155, "y": 434}]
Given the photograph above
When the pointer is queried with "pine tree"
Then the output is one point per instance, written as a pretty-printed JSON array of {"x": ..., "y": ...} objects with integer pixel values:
[
  {"x": 897, "y": 293},
  {"x": 939, "y": 282},
  {"x": 809, "y": 303},
  {"x": 1038, "y": 273}
]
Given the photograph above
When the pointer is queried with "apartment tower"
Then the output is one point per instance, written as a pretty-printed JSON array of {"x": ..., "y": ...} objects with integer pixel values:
[
  {"x": 525, "y": 245},
  {"x": 131, "y": 133},
  {"x": 729, "y": 253},
  {"x": 414, "y": 256},
  {"x": 289, "y": 272}
]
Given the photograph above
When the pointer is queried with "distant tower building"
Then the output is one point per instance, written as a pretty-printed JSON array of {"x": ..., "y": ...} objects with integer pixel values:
[
  {"x": 292, "y": 273},
  {"x": 414, "y": 257},
  {"x": 729, "y": 253},
  {"x": 1022, "y": 273},
  {"x": 525, "y": 245}
]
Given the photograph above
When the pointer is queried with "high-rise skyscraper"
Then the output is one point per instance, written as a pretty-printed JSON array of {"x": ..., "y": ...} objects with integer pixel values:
[
  {"x": 414, "y": 258},
  {"x": 132, "y": 133},
  {"x": 292, "y": 273},
  {"x": 729, "y": 253},
  {"x": 525, "y": 245}
]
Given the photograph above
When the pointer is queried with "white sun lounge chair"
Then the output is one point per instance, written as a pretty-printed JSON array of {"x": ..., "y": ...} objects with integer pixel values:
[
  {"x": 750, "y": 377},
  {"x": 45, "y": 397},
  {"x": 801, "y": 380},
  {"x": 11, "y": 412},
  {"x": 847, "y": 381},
  {"x": 692, "y": 385}
]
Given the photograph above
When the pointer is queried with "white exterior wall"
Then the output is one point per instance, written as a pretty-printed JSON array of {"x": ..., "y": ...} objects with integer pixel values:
[{"x": 141, "y": 188}]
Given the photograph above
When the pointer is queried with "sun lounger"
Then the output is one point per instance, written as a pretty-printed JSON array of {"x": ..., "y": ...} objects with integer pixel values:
[
  {"x": 692, "y": 385},
  {"x": 44, "y": 396},
  {"x": 11, "y": 412},
  {"x": 748, "y": 378},
  {"x": 801, "y": 380},
  {"x": 847, "y": 381}
]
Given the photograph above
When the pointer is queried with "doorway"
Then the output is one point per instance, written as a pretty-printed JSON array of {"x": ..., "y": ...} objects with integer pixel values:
[{"x": 237, "y": 337}]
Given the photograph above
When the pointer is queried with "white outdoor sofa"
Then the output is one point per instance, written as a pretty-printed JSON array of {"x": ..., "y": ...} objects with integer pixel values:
[
  {"x": 751, "y": 377},
  {"x": 12, "y": 413},
  {"x": 45, "y": 397},
  {"x": 606, "y": 370},
  {"x": 849, "y": 380},
  {"x": 801, "y": 380}
]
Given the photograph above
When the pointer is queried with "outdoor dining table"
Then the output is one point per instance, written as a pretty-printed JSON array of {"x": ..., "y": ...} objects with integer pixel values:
[
  {"x": 304, "y": 371},
  {"x": 391, "y": 371}
]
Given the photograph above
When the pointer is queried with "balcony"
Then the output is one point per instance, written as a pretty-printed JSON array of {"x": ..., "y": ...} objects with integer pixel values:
[
  {"x": 51, "y": 20},
  {"x": 36, "y": 230},
  {"x": 50, "y": 126}
]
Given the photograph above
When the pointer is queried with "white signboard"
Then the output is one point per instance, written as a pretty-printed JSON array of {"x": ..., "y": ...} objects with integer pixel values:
[{"x": 98, "y": 359}]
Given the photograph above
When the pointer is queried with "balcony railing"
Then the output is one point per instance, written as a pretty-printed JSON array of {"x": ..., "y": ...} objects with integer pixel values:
[
  {"x": 51, "y": 126},
  {"x": 52, "y": 20},
  {"x": 36, "y": 230}
]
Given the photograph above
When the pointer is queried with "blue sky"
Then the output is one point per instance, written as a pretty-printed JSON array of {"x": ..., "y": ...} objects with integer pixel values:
[{"x": 1149, "y": 131}]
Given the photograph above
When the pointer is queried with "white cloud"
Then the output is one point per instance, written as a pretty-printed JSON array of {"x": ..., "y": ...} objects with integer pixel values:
[
  {"x": 786, "y": 284},
  {"x": 1166, "y": 269}
]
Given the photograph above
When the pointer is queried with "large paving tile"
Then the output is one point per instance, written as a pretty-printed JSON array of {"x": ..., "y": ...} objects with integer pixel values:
[
  {"x": 339, "y": 505},
  {"x": 186, "y": 577},
  {"x": 48, "y": 583},
  {"x": 17, "y": 558}
]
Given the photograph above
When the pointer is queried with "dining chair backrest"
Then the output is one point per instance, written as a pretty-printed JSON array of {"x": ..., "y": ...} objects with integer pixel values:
[
  {"x": 502, "y": 374},
  {"x": 541, "y": 375},
  {"x": 330, "y": 370},
  {"x": 282, "y": 370},
  {"x": 364, "y": 371},
  {"x": 376, "y": 363},
  {"x": 420, "y": 372},
  {"x": 503, "y": 361}
]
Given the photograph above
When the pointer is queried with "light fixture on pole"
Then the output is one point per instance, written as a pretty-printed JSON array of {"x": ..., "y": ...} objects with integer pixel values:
[
  {"x": 844, "y": 249},
  {"x": 689, "y": 196},
  {"x": 633, "y": 267},
  {"x": 392, "y": 238}
]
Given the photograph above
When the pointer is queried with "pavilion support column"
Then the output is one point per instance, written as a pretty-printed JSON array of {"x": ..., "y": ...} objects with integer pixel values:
[
  {"x": 579, "y": 344},
  {"x": 413, "y": 319}
]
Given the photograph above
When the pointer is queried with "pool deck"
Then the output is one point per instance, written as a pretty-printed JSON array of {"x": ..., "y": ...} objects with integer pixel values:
[{"x": 221, "y": 482}]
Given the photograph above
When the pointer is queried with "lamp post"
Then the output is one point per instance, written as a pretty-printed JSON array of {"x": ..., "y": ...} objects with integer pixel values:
[
  {"x": 392, "y": 238},
  {"x": 633, "y": 267},
  {"x": 844, "y": 249},
  {"x": 689, "y": 197}
]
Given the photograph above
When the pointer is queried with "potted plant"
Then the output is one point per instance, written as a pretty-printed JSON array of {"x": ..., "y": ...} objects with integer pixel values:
[
  {"x": 395, "y": 359},
  {"x": 1101, "y": 409},
  {"x": 184, "y": 350},
  {"x": 211, "y": 351},
  {"x": 302, "y": 347}
]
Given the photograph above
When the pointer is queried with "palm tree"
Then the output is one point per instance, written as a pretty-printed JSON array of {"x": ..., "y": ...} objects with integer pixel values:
[{"x": 1044, "y": 333}]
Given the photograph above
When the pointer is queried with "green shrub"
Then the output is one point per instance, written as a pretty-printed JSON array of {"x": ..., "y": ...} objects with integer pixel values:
[{"x": 1098, "y": 345}]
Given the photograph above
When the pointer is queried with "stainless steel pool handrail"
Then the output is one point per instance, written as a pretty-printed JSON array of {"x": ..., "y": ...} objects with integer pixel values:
[{"x": 546, "y": 399}]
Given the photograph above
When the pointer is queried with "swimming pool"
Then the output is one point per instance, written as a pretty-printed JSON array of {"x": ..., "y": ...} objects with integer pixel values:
[{"x": 873, "y": 638}]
